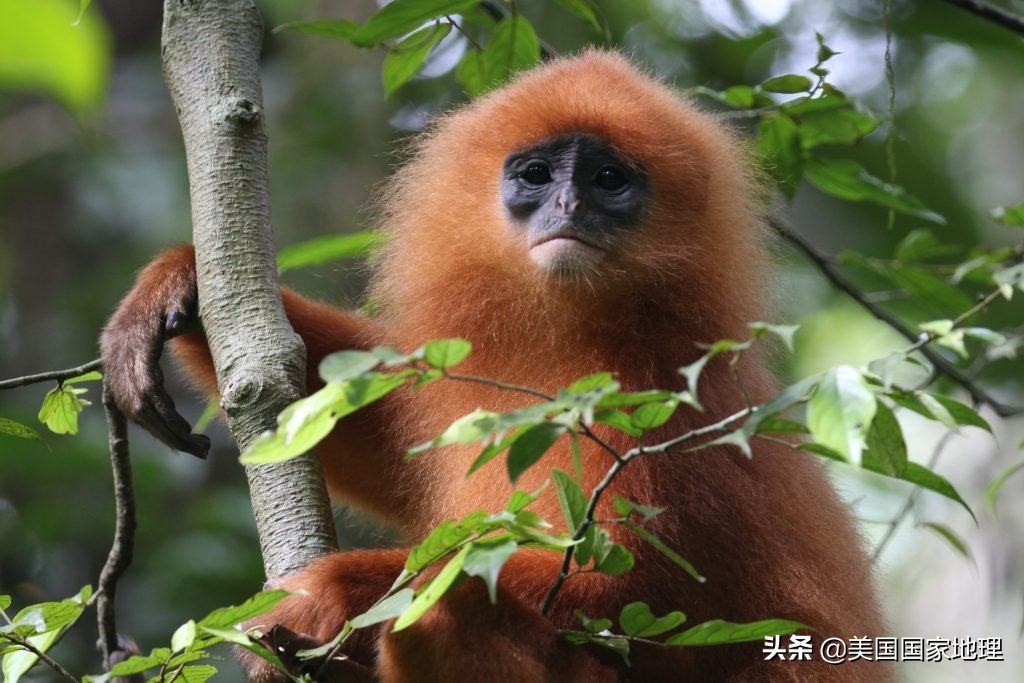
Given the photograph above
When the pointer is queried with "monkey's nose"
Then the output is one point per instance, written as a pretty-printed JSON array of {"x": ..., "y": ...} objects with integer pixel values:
[{"x": 567, "y": 202}]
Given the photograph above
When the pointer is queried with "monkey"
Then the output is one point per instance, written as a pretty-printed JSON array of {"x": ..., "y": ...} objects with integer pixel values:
[{"x": 582, "y": 218}]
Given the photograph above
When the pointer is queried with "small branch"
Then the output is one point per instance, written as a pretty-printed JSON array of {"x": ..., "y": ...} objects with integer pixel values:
[
  {"x": 666, "y": 446},
  {"x": 588, "y": 520},
  {"x": 43, "y": 657},
  {"x": 58, "y": 375},
  {"x": 908, "y": 504},
  {"x": 499, "y": 385},
  {"x": 996, "y": 15},
  {"x": 828, "y": 268},
  {"x": 123, "y": 546}
]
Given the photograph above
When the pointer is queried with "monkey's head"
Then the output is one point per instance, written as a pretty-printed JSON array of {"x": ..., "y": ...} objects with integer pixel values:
[{"x": 581, "y": 180}]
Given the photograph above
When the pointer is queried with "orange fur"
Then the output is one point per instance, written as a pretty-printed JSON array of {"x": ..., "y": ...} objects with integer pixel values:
[{"x": 769, "y": 533}]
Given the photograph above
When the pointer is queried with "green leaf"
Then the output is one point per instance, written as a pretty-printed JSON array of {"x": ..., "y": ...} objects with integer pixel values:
[
  {"x": 445, "y": 353},
  {"x": 433, "y": 591},
  {"x": 443, "y": 539},
  {"x": 740, "y": 97},
  {"x": 388, "y": 608},
  {"x": 618, "y": 561},
  {"x": 593, "y": 625},
  {"x": 406, "y": 59},
  {"x": 944, "y": 409},
  {"x": 513, "y": 47},
  {"x": 627, "y": 507},
  {"x": 60, "y": 409},
  {"x": 345, "y": 365},
  {"x": 622, "y": 399},
  {"x": 775, "y": 424},
  {"x": 229, "y": 617},
  {"x": 958, "y": 544},
  {"x": 12, "y": 428},
  {"x": 925, "y": 478},
  {"x": 471, "y": 73},
  {"x": 718, "y": 632},
  {"x": 778, "y": 143},
  {"x": 846, "y": 179},
  {"x": 82, "y": 6},
  {"x": 571, "y": 498},
  {"x": 845, "y": 126},
  {"x": 886, "y": 449},
  {"x": 47, "y": 46},
  {"x": 184, "y": 636},
  {"x": 996, "y": 485},
  {"x": 93, "y": 376},
  {"x": 665, "y": 550},
  {"x": 788, "y": 84},
  {"x": 637, "y": 620},
  {"x": 652, "y": 415},
  {"x": 134, "y": 665},
  {"x": 618, "y": 420},
  {"x": 322, "y": 250},
  {"x": 617, "y": 644},
  {"x": 401, "y": 16},
  {"x": 582, "y": 9},
  {"x": 197, "y": 673},
  {"x": 1009, "y": 215},
  {"x": 5, "y": 601},
  {"x": 921, "y": 245},
  {"x": 839, "y": 413},
  {"x": 486, "y": 558},
  {"x": 530, "y": 446},
  {"x": 786, "y": 333}
]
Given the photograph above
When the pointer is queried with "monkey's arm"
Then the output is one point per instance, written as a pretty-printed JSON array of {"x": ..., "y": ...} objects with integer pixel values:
[{"x": 163, "y": 306}]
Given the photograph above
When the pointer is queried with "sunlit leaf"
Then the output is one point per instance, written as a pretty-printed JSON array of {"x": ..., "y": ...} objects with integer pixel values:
[
  {"x": 406, "y": 59},
  {"x": 1009, "y": 215},
  {"x": 344, "y": 365},
  {"x": 229, "y": 617},
  {"x": 718, "y": 632},
  {"x": 840, "y": 412},
  {"x": 486, "y": 558},
  {"x": 637, "y": 620},
  {"x": 433, "y": 591},
  {"x": 44, "y": 49},
  {"x": 60, "y": 409},
  {"x": 389, "y": 608},
  {"x": 327, "y": 249},
  {"x": 13, "y": 428},
  {"x": 445, "y": 353}
]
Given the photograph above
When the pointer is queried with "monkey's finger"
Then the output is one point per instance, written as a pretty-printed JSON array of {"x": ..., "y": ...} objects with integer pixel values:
[{"x": 160, "y": 418}]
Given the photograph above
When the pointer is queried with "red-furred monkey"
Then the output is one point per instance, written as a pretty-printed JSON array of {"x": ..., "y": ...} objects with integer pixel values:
[{"x": 581, "y": 219}]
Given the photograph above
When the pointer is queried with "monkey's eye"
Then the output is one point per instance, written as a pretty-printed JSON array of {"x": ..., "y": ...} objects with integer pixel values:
[
  {"x": 536, "y": 174},
  {"x": 611, "y": 179}
]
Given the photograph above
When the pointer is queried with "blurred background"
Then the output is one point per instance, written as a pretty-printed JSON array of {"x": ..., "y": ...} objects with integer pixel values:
[{"x": 93, "y": 184}]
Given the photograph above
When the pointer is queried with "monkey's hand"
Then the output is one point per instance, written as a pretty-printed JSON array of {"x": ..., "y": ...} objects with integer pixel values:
[{"x": 162, "y": 304}]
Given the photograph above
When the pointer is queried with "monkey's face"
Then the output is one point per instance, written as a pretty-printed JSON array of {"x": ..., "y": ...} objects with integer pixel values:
[{"x": 573, "y": 201}]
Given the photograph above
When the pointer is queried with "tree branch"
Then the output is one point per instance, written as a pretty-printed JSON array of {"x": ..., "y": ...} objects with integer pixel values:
[
  {"x": 123, "y": 546},
  {"x": 996, "y": 15},
  {"x": 58, "y": 375},
  {"x": 829, "y": 270},
  {"x": 210, "y": 53}
]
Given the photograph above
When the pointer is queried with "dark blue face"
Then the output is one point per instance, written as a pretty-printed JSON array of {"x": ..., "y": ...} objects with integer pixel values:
[{"x": 575, "y": 199}]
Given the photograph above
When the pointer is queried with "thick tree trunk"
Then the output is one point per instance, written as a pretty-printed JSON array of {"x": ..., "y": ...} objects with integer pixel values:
[{"x": 211, "y": 65}]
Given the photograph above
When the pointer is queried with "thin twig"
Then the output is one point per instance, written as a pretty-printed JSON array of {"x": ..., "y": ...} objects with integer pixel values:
[
  {"x": 59, "y": 375},
  {"x": 123, "y": 546},
  {"x": 588, "y": 520},
  {"x": 996, "y": 15},
  {"x": 43, "y": 657},
  {"x": 908, "y": 504},
  {"x": 827, "y": 267},
  {"x": 890, "y": 78}
]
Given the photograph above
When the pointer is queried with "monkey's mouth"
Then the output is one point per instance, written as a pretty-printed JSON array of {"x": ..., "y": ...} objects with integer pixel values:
[{"x": 564, "y": 252}]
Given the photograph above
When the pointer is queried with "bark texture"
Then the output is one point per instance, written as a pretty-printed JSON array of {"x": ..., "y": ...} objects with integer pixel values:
[{"x": 210, "y": 52}]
